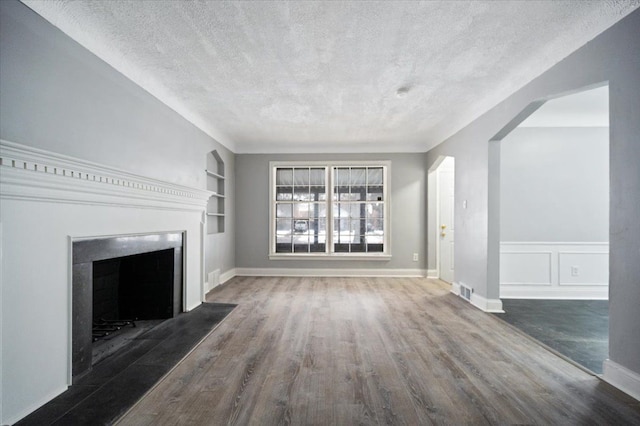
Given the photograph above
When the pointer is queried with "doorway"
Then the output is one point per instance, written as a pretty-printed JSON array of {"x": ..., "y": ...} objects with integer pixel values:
[
  {"x": 441, "y": 223},
  {"x": 553, "y": 226}
]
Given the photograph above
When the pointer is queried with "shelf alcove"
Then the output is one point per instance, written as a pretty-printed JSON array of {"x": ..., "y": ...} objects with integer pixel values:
[{"x": 215, "y": 183}]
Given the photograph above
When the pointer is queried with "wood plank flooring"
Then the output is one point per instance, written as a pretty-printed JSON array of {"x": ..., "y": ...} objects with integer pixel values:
[{"x": 347, "y": 351}]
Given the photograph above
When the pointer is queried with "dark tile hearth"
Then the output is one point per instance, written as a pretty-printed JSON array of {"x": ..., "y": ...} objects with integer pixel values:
[
  {"x": 578, "y": 329},
  {"x": 112, "y": 386}
]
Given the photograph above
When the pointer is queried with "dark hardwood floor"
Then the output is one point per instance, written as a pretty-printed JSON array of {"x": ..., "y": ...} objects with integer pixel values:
[
  {"x": 345, "y": 351},
  {"x": 578, "y": 329}
]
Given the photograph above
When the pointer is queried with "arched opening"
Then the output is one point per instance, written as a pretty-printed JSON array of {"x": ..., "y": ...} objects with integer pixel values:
[{"x": 549, "y": 223}]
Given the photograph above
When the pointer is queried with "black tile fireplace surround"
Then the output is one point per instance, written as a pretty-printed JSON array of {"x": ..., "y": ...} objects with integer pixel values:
[{"x": 143, "y": 275}]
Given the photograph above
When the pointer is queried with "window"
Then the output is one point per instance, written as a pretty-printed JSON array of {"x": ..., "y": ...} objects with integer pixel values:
[{"x": 334, "y": 209}]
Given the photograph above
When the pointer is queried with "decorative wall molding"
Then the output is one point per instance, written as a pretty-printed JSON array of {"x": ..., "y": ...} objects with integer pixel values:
[
  {"x": 321, "y": 272},
  {"x": 34, "y": 174},
  {"x": 554, "y": 270},
  {"x": 622, "y": 378}
]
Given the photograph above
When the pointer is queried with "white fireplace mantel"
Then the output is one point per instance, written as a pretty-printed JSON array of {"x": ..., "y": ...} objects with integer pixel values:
[
  {"x": 48, "y": 200},
  {"x": 31, "y": 173}
]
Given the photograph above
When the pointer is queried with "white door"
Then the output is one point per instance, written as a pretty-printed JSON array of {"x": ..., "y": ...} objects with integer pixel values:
[{"x": 446, "y": 185}]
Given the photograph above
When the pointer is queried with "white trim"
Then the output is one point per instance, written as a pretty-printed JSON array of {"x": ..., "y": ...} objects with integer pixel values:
[
  {"x": 331, "y": 256},
  {"x": 487, "y": 305},
  {"x": 480, "y": 302},
  {"x": 34, "y": 174},
  {"x": 622, "y": 378},
  {"x": 552, "y": 243},
  {"x": 432, "y": 273},
  {"x": 533, "y": 292},
  {"x": 322, "y": 272},
  {"x": 524, "y": 274},
  {"x": 329, "y": 166},
  {"x": 227, "y": 275}
]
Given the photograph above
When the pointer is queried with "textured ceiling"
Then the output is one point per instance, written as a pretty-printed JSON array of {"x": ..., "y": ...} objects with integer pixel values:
[{"x": 332, "y": 76}]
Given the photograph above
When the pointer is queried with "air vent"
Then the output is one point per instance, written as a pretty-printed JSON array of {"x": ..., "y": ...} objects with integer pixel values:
[{"x": 465, "y": 291}]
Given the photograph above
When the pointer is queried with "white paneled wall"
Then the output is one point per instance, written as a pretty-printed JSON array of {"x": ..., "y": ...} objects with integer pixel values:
[{"x": 554, "y": 270}]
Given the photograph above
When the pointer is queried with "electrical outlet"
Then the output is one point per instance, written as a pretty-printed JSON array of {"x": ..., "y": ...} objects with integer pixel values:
[
  {"x": 575, "y": 271},
  {"x": 415, "y": 257}
]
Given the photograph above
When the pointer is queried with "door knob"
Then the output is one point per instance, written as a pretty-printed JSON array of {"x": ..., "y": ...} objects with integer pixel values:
[
  {"x": 443, "y": 226},
  {"x": 443, "y": 235}
]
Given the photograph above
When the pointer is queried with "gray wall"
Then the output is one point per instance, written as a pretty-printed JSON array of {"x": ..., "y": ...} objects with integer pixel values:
[
  {"x": 612, "y": 56},
  {"x": 58, "y": 96},
  {"x": 554, "y": 184},
  {"x": 408, "y": 214}
]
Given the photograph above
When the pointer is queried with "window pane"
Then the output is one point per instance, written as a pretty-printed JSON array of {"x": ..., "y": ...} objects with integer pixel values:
[
  {"x": 284, "y": 193},
  {"x": 317, "y": 248},
  {"x": 375, "y": 210},
  {"x": 317, "y": 176},
  {"x": 341, "y": 248},
  {"x": 283, "y": 226},
  {"x": 301, "y": 193},
  {"x": 301, "y": 176},
  {"x": 358, "y": 176},
  {"x": 374, "y": 193},
  {"x": 372, "y": 248},
  {"x": 358, "y": 248},
  {"x": 357, "y": 210},
  {"x": 341, "y": 176},
  {"x": 374, "y": 176},
  {"x": 284, "y": 248},
  {"x": 301, "y": 248},
  {"x": 283, "y": 210},
  {"x": 301, "y": 210},
  {"x": 357, "y": 193},
  {"x": 318, "y": 193},
  {"x": 284, "y": 176}
]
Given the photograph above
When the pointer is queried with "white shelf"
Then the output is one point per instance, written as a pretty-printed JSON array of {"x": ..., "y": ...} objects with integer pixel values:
[
  {"x": 215, "y": 194},
  {"x": 215, "y": 175}
]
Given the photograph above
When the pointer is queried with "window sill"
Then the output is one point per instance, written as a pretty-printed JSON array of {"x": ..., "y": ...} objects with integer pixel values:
[{"x": 333, "y": 256}]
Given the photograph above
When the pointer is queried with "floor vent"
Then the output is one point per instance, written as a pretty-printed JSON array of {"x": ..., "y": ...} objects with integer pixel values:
[
  {"x": 465, "y": 292},
  {"x": 214, "y": 279}
]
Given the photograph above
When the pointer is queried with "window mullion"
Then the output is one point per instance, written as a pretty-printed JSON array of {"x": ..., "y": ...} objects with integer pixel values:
[{"x": 329, "y": 207}]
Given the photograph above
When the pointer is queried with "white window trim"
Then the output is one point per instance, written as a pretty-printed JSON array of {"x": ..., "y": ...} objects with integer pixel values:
[{"x": 330, "y": 255}]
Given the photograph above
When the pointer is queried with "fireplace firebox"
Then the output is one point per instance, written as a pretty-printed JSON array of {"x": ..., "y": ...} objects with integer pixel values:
[{"x": 119, "y": 282}]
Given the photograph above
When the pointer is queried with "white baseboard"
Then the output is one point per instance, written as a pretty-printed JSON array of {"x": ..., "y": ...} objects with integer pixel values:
[
  {"x": 455, "y": 288},
  {"x": 487, "y": 305},
  {"x": 480, "y": 302},
  {"x": 318, "y": 272},
  {"x": 227, "y": 275},
  {"x": 432, "y": 273},
  {"x": 622, "y": 378}
]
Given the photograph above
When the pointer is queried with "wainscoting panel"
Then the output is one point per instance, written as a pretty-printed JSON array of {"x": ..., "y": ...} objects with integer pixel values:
[{"x": 550, "y": 270}]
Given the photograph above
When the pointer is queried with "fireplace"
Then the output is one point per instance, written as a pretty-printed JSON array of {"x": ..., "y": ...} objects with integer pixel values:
[{"x": 121, "y": 285}]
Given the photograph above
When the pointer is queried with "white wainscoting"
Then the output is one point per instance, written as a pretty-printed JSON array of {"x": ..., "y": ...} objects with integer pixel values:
[{"x": 550, "y": 270}]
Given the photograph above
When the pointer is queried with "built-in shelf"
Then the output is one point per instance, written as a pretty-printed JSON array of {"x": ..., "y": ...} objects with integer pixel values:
[
  {"x": 215, "y": 183},
  {"x": 212, "y": 174}
]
